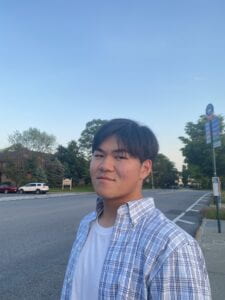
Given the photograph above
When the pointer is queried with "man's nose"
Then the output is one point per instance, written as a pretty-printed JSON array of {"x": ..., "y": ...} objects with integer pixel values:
[{"x": 107, "y": 164}]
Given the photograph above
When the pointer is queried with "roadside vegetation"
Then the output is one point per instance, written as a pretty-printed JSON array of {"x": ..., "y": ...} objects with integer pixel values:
[
  {"x": 210, "y": 212},
  {"x": 198, "y": 170},
  {"x": 78, "y": 189}
]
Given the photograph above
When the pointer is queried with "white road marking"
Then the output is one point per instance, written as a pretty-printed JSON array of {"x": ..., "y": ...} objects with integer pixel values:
[
  {"x": 190, "y": 207},
  {"x": 184, "y": 221},
  {"x": 195, "y": 210}
]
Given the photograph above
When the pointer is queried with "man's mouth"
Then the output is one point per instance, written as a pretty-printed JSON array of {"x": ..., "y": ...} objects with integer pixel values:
[{"x": 105, "y": 178}]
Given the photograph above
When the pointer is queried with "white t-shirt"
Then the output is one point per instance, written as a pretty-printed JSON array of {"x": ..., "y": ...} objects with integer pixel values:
[{"x": 90, "y": 262}]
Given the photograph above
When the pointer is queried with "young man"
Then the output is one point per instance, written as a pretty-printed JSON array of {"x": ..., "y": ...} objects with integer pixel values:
[{"x": 127, "y": 249}]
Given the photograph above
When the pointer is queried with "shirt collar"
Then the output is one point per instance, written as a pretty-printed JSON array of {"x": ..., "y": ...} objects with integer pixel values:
[{"x": 136, "y": 209}]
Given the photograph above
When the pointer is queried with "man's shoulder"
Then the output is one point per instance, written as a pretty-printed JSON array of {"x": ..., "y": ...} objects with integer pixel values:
[
  {"x": 161, "y": 238},
  {"x": 162, "y": 233}
]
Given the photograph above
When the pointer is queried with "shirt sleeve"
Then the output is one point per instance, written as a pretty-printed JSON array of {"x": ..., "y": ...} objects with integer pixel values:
[{"x": 182, "y": 275}]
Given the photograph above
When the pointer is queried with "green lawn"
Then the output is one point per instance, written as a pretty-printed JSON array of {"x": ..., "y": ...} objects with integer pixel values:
[
  {"x": 223, "y": 197},
  {"x": 78, "y": 189},
  {"x": 210, "y": 212}
]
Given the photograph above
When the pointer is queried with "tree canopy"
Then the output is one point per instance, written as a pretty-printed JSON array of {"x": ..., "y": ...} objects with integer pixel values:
[
  {"x": 75, "y": 164},
  {"x": 87, "y": 135},
  {"x": 198, "y": 154},
  {"x": 164, "y": 172},
  {"x": 33, "y": 139}
]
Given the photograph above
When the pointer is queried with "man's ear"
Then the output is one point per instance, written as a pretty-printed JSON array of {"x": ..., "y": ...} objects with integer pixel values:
[{"x": 146, "y": 168}]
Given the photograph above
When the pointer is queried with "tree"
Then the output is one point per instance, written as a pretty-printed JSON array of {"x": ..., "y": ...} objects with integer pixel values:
[
  {"x": 185, "y": 175},
  {"x": 164, "y": 172},
  {"x": 74, "y": 162},
  {"x": 14, "y": 166},
  {"x": 14, "y": 172},
  {"x": 22, "y": 165},
  {"x": 54, "y": 170},
  {"x": 33, "y": 139},
  {"x": 40, "y": 175},
  {"x": 87, "y": 135},
  {"x": 198, "y": 155}
]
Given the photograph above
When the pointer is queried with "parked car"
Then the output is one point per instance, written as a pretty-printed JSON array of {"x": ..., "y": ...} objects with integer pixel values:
[
  {"x": 34, "y": 187},
  {"x": 8, "y": 188}
]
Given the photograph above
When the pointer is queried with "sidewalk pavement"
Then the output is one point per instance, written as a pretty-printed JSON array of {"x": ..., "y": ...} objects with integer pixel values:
[{"x": 213, "y": 247}]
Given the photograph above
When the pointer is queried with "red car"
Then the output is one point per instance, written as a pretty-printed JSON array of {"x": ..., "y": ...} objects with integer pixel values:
[{"x": 5, "y": 188}]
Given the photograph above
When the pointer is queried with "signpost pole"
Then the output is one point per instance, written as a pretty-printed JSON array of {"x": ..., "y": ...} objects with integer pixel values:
[{"x": 215, "y": 179}]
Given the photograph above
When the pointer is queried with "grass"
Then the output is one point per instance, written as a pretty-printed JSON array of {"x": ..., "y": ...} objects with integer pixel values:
[
  {"x": 223, "y": 197},
  {"x": 77, "y": 189},
  {"x": 210, "y": 212}
]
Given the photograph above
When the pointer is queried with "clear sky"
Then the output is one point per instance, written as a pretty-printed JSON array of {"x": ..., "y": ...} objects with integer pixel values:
[{"x": 66, "y": 62}]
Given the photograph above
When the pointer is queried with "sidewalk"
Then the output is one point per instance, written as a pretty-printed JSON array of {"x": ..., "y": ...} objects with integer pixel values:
[{"x": 213, "y": 247}]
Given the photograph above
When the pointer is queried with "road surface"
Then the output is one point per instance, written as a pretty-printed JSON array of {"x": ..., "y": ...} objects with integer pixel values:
[{"x": 36, "y": 235}]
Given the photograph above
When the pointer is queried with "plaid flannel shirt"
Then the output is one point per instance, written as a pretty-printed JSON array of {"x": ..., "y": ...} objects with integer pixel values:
[{"x": 149, "y": 257}]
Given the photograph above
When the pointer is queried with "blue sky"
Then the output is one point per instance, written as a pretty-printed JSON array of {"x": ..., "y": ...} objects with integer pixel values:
[{"x": 64, "y": 63}]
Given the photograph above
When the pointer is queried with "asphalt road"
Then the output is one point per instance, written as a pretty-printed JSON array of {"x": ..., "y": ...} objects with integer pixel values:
[{"x": 36, "y": 235}]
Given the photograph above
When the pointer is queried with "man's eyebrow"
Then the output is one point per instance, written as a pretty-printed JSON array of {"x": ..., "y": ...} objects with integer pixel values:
[
  {"x": 120, "y": 150},
  {"x": 99, "y": 149}
]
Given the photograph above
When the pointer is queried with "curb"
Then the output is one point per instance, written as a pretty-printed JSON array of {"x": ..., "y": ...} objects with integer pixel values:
[
  {"x": 28, "y": 197},
  {"x": 200, "y": 231}
]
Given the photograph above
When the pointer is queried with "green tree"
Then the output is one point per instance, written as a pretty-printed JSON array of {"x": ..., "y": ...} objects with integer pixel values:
[
  {"x": 198, "y": 155},
  {"x": 34, "y": 140},
  {"x": 74, "y": 162},
  {"x": 22, "y": 165},
  {"x": 185, "y": 175},
  {"x": 164, "y": 172},
  {"x": 14, "y": 166},
  {"x": 54, "y": 171},
  {"x": 87, "y": 135},
  {"x": 40, "y": 175}
]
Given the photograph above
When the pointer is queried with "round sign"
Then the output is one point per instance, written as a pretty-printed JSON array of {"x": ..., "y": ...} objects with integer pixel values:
[{"x": 209, "y": 110}]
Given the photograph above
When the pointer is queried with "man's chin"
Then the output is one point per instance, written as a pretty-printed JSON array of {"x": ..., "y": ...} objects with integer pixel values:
[{"x": 106, "y": 196}]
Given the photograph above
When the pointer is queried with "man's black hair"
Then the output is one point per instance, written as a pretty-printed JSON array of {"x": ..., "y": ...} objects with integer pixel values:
[{"x": 138, "y": 140}]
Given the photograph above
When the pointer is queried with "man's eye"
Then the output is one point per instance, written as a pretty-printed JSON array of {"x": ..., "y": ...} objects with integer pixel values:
[
  {"x": 98, "y": 155},
  {"x": 119, "y": 157}
]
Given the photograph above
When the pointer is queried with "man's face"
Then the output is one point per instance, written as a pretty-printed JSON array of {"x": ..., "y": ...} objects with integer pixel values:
[{"x": 115, "y": 174}]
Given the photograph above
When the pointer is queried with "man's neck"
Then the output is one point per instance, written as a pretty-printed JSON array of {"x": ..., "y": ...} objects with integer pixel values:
[{"x": 108, "y": 216}]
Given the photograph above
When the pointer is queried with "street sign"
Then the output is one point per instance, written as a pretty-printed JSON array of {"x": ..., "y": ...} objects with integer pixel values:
[
  {"x": 216, "y": 186},
  {"x": 207, "y": 133},
  {"x": 209, "y": 111},
  {"x": 216, "y": 132}
]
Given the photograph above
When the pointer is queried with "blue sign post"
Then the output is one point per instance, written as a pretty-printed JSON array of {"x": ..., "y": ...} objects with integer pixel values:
[
  {"x": 208, "y": 133},
  {"x": 212, "y": 131},
  {"x": 216, "y": 132}
]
